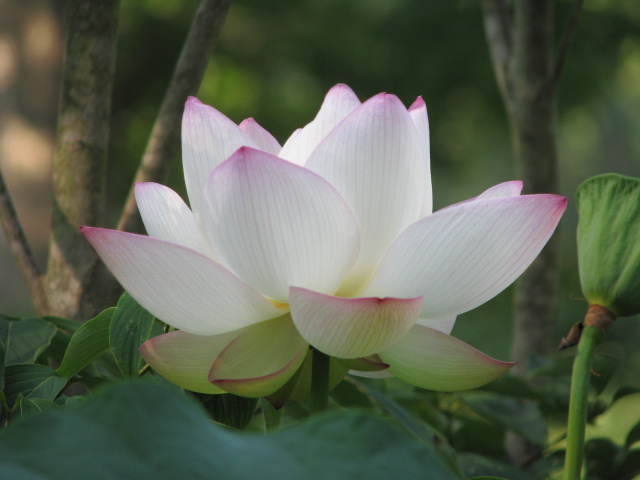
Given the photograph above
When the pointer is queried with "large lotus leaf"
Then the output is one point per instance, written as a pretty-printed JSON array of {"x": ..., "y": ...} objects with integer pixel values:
[
  {"x": 143, "y": 431},
  {"x": 609, "y": 242}
]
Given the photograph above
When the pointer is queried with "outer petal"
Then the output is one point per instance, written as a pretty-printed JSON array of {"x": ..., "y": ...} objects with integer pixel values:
[
  {"x": 261, "y": 359},
  {"x": 167, "y": 217},
  {"x": 502, "y": 190},
  {"x": 372, "y": 363},
  {"x": 178, "y": 285},
  {"x": 418, "y": 113},
  {"x": 373, "y": 158},
  {"x": 505, "y": 189},
  {"x": 276, "y": 224},
  {"x": 462, "y": 256},
  {"x": 208, "y": 138},
  {"x": 338, "y": 103},
  {"x": 443, "y": 324},
  {"x": 185, "y": 359},
  {"x": 431, "y": 359},
  {"x": 351, "y": 327},
  {"x": 262, "y": 138}
]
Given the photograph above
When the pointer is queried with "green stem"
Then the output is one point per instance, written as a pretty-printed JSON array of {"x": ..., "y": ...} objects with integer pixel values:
[
  {"x": 319, "y": 381},
  {"x": 272, "y": 416},
  {"x": 580, "y": 380}
]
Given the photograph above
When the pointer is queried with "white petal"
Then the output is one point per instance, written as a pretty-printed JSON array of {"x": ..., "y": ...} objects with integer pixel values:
[
  {"x": 276, "y": 224},
  {"x": 373, "y": 158},
  {"x": 166, "y": 216},
  {"x": 506, "y": 189},
  {"x": 431, "y": 359},
  {"x": 261, "y": 137},
  {"x": 208, "y": 138},
  {"x": 442, "y": 324},
  {"x": 418, "y": 113},
  {"x": 181, "y": 287},
  {"x": 185, "y": 359},
  {"x": 502, "y": 190},
  {"x": 338, "y": 103},
  {"x": 261, "y": 359},
  {"x": 462, "y": 256},
  {"x": 351, "y": 327}
]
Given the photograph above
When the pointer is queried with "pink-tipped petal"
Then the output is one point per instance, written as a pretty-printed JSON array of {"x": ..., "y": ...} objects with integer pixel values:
[
  {"x": 505, "y": 189},
  {"x": 351, "y": 327},
  {"x": 418, "y": 113},
  {"x": 178, "y": 285},
  {"x": 502, "y": 190},
  {"x": 443, "y": 324},
  {"x": 374, "y": 159},
  {"x": 276, "y": 224},
  {"x": 166, "y": 216},
  {"x": 208, "y": 138},
  {"x": 433, "y": 360},
  {"x": 462, "y": 256},
  {"x": 260, "y": 360},
  {"x": 338, "y": 103},
  {"x": 261, "y": 137},
  {"x": 185, "y": 359}
]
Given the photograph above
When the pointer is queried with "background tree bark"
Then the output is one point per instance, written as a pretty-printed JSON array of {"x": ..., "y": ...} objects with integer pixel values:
[
  {"x": 527, "y": 71},
  {"x": 80, "y": 159},
  {"x": 76, "y": 284}
]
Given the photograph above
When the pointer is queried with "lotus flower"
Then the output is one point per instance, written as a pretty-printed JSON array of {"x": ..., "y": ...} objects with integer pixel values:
[{"x": 328, "y": 242}]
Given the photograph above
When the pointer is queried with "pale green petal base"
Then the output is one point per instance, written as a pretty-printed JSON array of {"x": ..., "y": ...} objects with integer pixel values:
[
  {"x": 185, "y": 359},
  {"x": 430, "y": 359},
  {"x": 261, "y": 359}
]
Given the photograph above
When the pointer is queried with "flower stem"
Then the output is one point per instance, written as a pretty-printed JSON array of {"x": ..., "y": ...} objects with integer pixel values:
[
  {"x": 319, "y": 381},
  {"x": 580, "y": 378}
]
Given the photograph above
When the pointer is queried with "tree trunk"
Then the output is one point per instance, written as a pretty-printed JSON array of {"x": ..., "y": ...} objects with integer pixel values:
[
  {"x": 80, "y": 159},
  {"x": 521, "y": 44}
]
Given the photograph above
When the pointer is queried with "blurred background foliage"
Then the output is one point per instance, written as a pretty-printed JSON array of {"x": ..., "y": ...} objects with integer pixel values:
[{"x": 275, "y": 61}]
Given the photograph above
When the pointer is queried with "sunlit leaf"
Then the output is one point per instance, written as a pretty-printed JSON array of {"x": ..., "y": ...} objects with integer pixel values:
[
  {"x": 88, "y": 342},
  {"x": 32, "y": 380},
  {"x": 25, "y": 339},
  {"x": 130, "y": 327}
]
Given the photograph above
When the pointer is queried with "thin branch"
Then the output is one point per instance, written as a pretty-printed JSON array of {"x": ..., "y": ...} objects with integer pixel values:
[
  {"x": 499, "y": 31},
  {"x": 567, "y": 35},
  {"x": 19, "y": 247},
  {"x": 164, "y": 141}
]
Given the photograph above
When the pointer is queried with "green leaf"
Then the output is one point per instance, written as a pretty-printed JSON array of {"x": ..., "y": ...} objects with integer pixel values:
[
  {"x": 518, "y": 415},
  {"x": 601, "y": 456},
  {"x": 130, "y": 327},
  {"x": 32, "y": 381},
  {"x": 173, "y": 439},
  {"x": 623, "y": 392},
  {"x": 88, "y": 342},
  {"x": 28, "y": 406},
  {"x": 424, "y": 432},
  {"x": 61, "y": 323},
  {"x": 609, "y": 242},
  {"x": 633, "y": 436},
  {"x": 25, "y": 339},
  {"x": 478, "y": 467}
]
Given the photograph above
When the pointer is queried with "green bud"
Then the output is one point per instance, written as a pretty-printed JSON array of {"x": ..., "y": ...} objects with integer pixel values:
[{"x": 609, "y": 242}]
